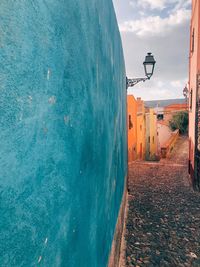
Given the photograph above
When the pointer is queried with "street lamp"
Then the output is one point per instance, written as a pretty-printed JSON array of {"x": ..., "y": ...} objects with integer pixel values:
[
  {"x": 185, "y": 93},
  {"x": 149, "y": 65}
]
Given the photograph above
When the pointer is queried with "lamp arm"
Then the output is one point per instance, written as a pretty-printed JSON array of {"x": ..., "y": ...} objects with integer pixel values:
[{"x": 132, "y": 82}]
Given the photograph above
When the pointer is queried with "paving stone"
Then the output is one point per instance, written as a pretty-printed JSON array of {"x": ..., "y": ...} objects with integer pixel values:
[{"x": 163, "y": 224}]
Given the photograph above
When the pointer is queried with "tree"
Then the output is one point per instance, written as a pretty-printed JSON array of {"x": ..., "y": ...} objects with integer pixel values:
[{"x": 180, "y": 121}]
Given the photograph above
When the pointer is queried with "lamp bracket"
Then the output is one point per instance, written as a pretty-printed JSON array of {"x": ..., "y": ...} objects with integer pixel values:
[{"x": 132, "y": 82}]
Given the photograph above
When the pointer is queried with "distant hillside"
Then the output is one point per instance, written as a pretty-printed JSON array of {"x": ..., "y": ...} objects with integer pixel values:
[{"x": 163, "y": 103}]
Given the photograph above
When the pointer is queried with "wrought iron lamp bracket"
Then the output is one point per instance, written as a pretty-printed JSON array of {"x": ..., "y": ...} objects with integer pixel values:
[{"x": 133, "y": 82}]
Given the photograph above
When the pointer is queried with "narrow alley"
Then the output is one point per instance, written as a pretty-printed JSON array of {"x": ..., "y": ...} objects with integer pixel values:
[{"x": 163, "y": 221}]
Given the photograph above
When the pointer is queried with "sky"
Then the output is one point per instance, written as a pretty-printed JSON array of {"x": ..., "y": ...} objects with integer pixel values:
[{"x": 161, "y": 27}]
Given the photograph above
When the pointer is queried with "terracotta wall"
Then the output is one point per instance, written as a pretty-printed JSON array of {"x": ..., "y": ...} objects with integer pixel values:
[{"x": 194, "y": 68}]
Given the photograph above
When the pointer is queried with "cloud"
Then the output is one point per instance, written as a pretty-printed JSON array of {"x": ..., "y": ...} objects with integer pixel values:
[
  {"x": 178, "y": 83},
  {"x": 156, "y": 25},
  {"x": 161, "y": 4},
  {"x": 163, "y": 29},
  {"x": 171, "y": 70},
  {"x": 182, "y": 4},
  {"x": 155, "y": 89},
  {"x": 153, "y": 4}
]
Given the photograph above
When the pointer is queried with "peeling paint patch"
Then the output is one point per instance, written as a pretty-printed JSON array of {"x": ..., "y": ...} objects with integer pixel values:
[
  {"x": 66, "y": 119},
  {"x": 30, "y": 99},
  {"x": 52, "y": 100},
  {"x": 40, "y": 258},
  {"x": 21, "y": 117},
  {"x": 45, "y": 130},
  {"x": 19, "y": 100},
  {"x": 114, "y": 185},
  {"x": 48, "y": 74}
]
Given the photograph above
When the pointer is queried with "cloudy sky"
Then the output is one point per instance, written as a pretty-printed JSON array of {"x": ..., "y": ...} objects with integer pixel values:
[{"x": 160, "y": 27}]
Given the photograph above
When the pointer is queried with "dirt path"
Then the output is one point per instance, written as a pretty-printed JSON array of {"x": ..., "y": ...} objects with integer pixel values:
[{"x": 163, "y": 224}]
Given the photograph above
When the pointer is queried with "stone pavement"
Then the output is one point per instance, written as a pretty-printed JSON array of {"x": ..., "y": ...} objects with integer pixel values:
[{"x": 163, "y": 223}]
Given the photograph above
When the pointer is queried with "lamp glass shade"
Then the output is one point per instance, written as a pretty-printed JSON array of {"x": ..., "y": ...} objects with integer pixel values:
[{"x": 149, "y": 65}]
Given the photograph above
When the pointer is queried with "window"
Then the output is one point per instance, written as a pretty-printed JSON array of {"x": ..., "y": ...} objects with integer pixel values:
[
  {"x": 160, "y": 117},
  {"x": 149, "y": 139},
  {"x": 153, "y": 139},
  {"x": 192, "y": 42},
  {"x": 130, "y": 123},
  {"x": 191, "y": 94},
  {"x": 140, "y": 127}
]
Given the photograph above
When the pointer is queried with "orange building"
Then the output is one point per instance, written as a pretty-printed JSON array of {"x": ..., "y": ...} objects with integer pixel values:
[
  {"x": 141, "y": 129},
  {"x": 194, "y": 95},
  {"x": 132, "y": 127}
]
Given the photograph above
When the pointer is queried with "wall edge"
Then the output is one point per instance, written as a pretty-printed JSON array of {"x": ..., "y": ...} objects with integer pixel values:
[{"x": 118, "y": 242}]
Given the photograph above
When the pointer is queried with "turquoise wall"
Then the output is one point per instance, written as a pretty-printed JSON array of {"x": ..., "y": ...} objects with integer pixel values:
[{"x": 62, "y": 132}]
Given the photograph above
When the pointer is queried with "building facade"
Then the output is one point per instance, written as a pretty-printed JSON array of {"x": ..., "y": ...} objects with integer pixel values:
[
  {"x": 141, "y": 129},
  {"x": 151, "y": 152},
  {"x": 132, "y": 127},
  {"x": 166, "y": 139},
  {"x": 164, "y": 133},
  {"x": 194, "y": 95}
]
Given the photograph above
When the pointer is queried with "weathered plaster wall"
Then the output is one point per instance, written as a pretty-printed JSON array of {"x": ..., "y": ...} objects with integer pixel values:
[
  {"x": 194, "y": 69},
  {"x": 132, "y": 127},
  {"x": 62, "y": 132},
  {"x": 164, "y": 133},
  {"x": 141, "y": 129},
  {"x": 147, "y": 145},
  {"x": 151, "y": 135}
]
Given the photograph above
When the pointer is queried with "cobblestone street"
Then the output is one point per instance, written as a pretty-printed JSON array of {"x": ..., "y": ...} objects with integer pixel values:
[{"x": 163, "y": 224}]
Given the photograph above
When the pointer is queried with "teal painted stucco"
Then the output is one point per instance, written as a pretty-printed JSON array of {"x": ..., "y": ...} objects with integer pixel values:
[{"x": 62, "y": 132}]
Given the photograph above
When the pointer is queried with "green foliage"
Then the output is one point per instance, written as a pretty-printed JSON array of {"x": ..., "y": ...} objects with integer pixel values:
[{"x": 180, "y": 121}]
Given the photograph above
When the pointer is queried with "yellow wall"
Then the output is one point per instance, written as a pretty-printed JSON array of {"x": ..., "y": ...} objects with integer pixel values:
[
  {"x": 151, "y": 135},
  {"x": 132, "y": 127},
  {"x": 140, "y": 129}
]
